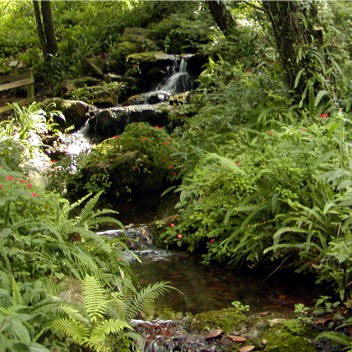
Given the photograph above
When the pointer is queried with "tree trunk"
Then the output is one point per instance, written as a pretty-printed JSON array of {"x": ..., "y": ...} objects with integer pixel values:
[
  {"x": 49, "y": 27},
  {"x": 45, "y": 27},
  {"x": 222, "y": 15},
  {"x": 293, "y": 24}
]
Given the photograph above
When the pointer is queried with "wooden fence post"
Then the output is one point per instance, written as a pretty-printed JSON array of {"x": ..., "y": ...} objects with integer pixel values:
[{"x": 23, "y": 81}]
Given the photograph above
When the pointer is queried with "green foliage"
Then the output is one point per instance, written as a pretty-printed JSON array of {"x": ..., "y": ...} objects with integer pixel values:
[
  {"x": 20, "y": 136},
  {"x": 90, "y": 325},
  {"x": 337, "y": 338},
  {"x": 102, "y": 323}
]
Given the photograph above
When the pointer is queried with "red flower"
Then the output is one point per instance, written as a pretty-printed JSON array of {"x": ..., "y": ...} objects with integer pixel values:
[
  {"x": 22, "y": 181},
  {"x": 9, "y": 178},
  {"x": 179, "y": 236},
  {"x": 29, "y": 186},
  {"x": 172, "y": 225},
  {"x": 166, "y": 143},
  {"x": 1, "y": 186},
  {"x": 212, "y": 240},
  {"x": 35, "y": 194},
  {"x": 53, "y": 161},
  {"x": 324, "y": 116}
]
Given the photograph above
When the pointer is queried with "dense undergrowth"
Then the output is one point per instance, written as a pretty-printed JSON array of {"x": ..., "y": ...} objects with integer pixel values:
[
  {"x": 264, "y": 176},
  {"x": 47, "y": 247}
]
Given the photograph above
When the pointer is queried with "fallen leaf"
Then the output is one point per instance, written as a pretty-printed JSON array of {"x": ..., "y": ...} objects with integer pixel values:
[
  {"x": 264, "y": 313},
  {"x": 237, "y": 338},
  {"x": 322, "y": 321},
  {"x": 247, "y": 348},
  {"x": 213, "y": 334}
]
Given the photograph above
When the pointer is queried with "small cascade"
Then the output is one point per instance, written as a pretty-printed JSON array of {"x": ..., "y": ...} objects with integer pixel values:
[
  {"x": 78, "y": 142},
  {"x": 179, "y": 81}
]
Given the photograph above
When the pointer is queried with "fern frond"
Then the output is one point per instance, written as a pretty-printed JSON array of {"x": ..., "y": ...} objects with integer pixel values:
[
  {"x": 336, "y": 337},
  {"x": 106, "y": 327},
  {"x": 73, "y": 328},
  {"x": 95, "y": 299},
  {"x": 72, "y": 313}
]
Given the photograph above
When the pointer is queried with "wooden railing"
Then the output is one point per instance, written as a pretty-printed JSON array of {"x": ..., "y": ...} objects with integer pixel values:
[{"x": 11, "y": 82}]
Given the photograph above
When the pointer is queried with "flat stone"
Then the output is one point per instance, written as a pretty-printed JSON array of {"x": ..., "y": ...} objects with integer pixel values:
[
  {"x": 13, "y": 63},
  {"x": 213, "y": 334},
  {"x": 237, "y": 338}
]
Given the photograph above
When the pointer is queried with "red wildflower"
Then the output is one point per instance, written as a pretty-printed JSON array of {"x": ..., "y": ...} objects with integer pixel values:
[
  {"x": 212, "y": 240},
  {"x": 29, "y": 186},
  {"x": 9, "y": 178},
  {"x": 35, "y": 194},
  {"x": 22, "y": 181},
  {"x": 179, "y": 236},
  {"x": 1, "y": 186},
  {"x": 324, "y": 116},
  {"x": 53, "y": 161},
  {"x": 165, "y": 142},
  {"x": 172, "y": 225}
]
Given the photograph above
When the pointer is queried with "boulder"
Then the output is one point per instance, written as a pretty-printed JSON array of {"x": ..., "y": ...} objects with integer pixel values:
[
  {"x": 76, "y": 112},
  {"x": 68, "y": 86},
  {"x": 104, "y": 95},
  {"x": 148, "y": 98},
  {"x": 110, "y": 122}
]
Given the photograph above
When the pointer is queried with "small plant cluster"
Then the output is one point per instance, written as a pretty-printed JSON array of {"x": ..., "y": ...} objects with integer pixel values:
[{"x": 138, "y": 161}]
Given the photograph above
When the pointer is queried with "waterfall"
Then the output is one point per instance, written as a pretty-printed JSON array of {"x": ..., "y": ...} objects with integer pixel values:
[{"x": 179, "y": 81}]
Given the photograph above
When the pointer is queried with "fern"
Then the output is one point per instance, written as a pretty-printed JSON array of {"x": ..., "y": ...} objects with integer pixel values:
[
  {"x": 336, "y": 337},
  {"x": 104, "y": 315}
]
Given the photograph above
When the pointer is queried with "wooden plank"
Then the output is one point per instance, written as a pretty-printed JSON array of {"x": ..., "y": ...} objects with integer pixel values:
[
  {"x": 19, "y": 102},
  {"x": 16, "y": 84},
  {"x": 12, "y": 78}
]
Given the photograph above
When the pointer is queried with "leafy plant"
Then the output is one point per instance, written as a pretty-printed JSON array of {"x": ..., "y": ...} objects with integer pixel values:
[{"x": 102, "y": 323}]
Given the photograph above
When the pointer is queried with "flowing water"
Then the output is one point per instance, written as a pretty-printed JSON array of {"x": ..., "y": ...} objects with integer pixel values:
[{"x": 201, "y": 288}]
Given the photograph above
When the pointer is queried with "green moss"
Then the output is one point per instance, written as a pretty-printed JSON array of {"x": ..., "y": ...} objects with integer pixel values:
[
  {"x": 152, "y": 56},
  {"x": 228, "y": 320},
  {"x": 280, "y": 340},
  {"x": 107, "y": 93}
]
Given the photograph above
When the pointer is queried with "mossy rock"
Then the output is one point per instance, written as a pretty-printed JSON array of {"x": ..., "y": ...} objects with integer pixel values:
[
  {"x": 135, "y": 34},
  {"x": 154, "y": 57},
  {"x": 138, "y": 162},
  {"x": 228, "y": 319},
  {"x": 68, "y": 86},
  {"x": 280, "y": 340},
  {"x": 105, "y": 95},
  {"x": 76, "y": 112}
]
